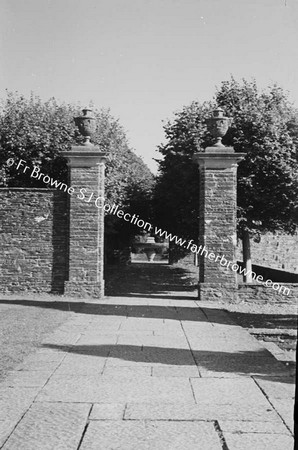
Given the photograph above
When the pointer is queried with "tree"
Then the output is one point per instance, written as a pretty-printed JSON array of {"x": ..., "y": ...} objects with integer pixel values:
[
  {"x": 128, "y": 183},
  {"x": 177, "y": 188},
  {"x": 38, "y": 131},
  {"x": 265, "y": 127}
]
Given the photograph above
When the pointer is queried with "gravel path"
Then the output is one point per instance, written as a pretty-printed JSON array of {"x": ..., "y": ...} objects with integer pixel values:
[{"x": 24, "y": 322}]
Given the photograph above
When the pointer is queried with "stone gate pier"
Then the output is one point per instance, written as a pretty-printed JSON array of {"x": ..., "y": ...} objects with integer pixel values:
[
  {"x": 52, "y": 239},
  {"x": 217, "y": 213},
  {"x": 86, "y": 215}
]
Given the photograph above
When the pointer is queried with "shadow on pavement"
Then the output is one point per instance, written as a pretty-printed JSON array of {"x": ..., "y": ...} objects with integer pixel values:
[
  {"x": 192, "y": 296},
  {"x": 62, "y": 306},
  {"x": 195, "y": 314},
  {"x": 260, "y": 363}
]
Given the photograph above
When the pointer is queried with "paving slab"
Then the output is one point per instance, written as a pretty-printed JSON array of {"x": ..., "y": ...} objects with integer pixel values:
[
  {"x": 222, "y": 391},
  {"x": 175, "y": 371},
  {"x": 148, "y": 373},
  {"x": 126, "y": 371},
  {"x": 105, "y": 325},
  {"x": 26, "y": 378},
  {"x": 14, "y": 401},
  {"x": 63, "y": 338},
  {"x": 107, "y": 411},
  {"x": 220, "y": 317},
  {"x": 220, "y": 343},
  {"x": 47, "y": 355},
  {"x": 6, "y": 428},
  {"x": 49, "y": 427},
  {"x": 277, "y": 387},
  {"x": 278, "y": 353},
  {"x": 258, "y": 441},
  {"x": 150, "y": 436},
  {"x": 285, "y": 408},
  {"x": 163, "y": 355},
  {"x": 94, "y": 389},
  {"x": 126, "y": 300},
  {"x": 281, "y": 393},
  {"x": 89, "y": 339},
  {"x": 131, "y": 355},
  {"x": 134, "y": 323},
  {"x": 137, "y": 334},
  {"x": 241, "y": 426},
  {"x": 207, "y": 373},
  {"x": 80, "y": 365},
  {"x": 248, "y": 364},
  {"x": 183, "y": 410},
  {"x": 179, "y": 342},
  {"x": 192, "y": 329}
]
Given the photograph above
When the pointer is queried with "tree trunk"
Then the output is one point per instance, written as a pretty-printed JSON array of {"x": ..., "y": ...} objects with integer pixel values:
[
  {"x": 196, "y": 259},
  {"x": 247, "y": 257},
  {"x": 171, "y": 254}
]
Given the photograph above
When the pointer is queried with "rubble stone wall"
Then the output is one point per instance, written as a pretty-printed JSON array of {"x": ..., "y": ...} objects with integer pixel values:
[
  {"x": 277, "y": 251},
  {"x": 263, "y": 294},
  {"x": 33, "y": 240}
]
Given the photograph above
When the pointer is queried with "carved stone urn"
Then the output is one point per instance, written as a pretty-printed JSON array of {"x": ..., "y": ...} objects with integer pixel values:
[
  {"x": 218, "y": 125},
  {"x": 150, "y": 247},
  {"x": 86, "y": 125}
]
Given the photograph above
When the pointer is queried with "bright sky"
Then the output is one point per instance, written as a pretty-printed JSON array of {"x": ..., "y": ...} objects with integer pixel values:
[{"x": 145, "y": 58}]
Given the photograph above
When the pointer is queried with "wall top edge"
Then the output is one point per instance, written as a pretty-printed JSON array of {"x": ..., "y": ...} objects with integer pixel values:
[
  {"x": 259, "y": 285},
  {"x": 29, "y": 189}
]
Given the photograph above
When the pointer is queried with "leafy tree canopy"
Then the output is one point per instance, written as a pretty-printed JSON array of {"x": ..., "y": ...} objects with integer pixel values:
[
  {"x": 265, "y": 126},
  {"x": 177, "y": 188},
  {"x": 38, "y": 131}
]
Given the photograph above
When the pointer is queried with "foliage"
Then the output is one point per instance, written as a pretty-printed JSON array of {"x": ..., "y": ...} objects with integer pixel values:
[
  {"x": 177, "y": 188},
  {"x": 38, "y": 131},
  {"x": 265, "y": 126}
]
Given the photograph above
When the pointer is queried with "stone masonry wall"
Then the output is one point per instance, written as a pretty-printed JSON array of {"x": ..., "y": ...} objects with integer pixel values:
[
  {"x": 84, "y": 221},
  {"x": 33, "y": 240},
  {"x": 260, "y": 293},
  {"x": 86, "y": 232},
  {"x": 217, "y": 233},
  {"x": 277, "y": 251}
]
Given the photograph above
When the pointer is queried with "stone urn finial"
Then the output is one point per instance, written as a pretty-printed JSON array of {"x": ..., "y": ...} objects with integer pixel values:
[
  {"x": 218, "y": 125},
  {"x": 86, "y": 125}
]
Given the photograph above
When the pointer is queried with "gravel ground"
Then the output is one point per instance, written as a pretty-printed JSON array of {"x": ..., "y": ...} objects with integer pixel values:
[
  {"x": 269, "y": 322},
  {"x": 25, "y": 321}
]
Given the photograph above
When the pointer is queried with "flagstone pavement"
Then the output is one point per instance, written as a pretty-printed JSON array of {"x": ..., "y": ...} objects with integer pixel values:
[{"x": 151, "y": 372}]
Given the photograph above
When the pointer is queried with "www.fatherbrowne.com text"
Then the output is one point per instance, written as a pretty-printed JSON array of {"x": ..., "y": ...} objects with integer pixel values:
[{"x": 134, "y": 219}]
